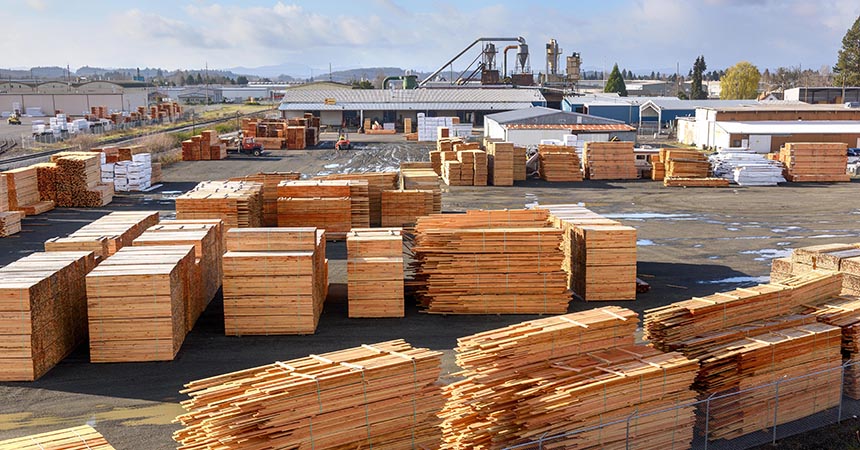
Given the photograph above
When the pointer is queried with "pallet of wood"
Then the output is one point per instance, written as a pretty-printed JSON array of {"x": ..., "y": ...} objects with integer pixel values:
[
  {"x": 422, "y": 179},
  {"x": 374, "y": 272},
  {"x": 520, "y": 158},
  {"x": 377, "y": 182},
  {"x": 558, "y": 163},
  {"x": 137, "y": 302},
  {"x": 77, "y": 182},
  {"x": 609, "y": 161},
  {"x": 22, "y": 192},
  {"x": 500, "y": 163},
  {"x": 695, "y": 182},
  {"x": 43, "y": 310},
  {"x": 402, "y": 208},
  {"x": 105, "y": 235},
  {"x": 333, "y": 205},
  {"x": 83, "y": 437},
  {"x": 270, "y": 181},
  {"x": 238, "y": 204},
  {"x": 275, "y": 281},
  {"x": 204, "y": 147},
  {"x": 815, "y": 162},
  {"x": 658, "y": 168}
]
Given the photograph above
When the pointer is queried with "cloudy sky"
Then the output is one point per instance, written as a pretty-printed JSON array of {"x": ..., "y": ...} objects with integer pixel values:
[{"x": 307, "y": 36}]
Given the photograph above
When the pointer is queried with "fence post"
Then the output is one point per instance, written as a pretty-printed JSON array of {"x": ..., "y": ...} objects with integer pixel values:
[
  {"x": 708, "y": 418},
  {"x": 775, "y": 412},
  {"x": 540, "y": 440},
  {"x": 842, "y": 390},
  {"x": 627, "y": 431}
]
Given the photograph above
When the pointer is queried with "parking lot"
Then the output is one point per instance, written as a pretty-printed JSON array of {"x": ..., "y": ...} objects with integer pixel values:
[{"x": 690, "y": 242}]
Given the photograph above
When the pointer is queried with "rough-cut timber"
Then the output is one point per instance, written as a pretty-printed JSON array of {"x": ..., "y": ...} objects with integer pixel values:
[
  {"x": 83, "y": 437},
  {"x": 374, "y": 272},
  {"x": 610, "y": 161},
  {"x": 423, "y": 179},
  {"x": 402, "y": 208},
  {"x": 815, "y": 161},
  {"x": 558, "y": 163},
  {"x": 270, "y": 181},
  {"x": 377, "y": 182},
  {"x": 238, "y": 204},
  {"x": 107, "y": 234}
]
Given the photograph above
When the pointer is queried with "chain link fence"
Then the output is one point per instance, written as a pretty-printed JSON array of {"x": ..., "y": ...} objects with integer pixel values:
[{"x": 731, "y": 420}]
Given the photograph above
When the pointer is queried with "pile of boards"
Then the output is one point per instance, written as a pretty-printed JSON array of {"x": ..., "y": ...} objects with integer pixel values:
[
  {"x": 382, "y": 395},
  {"x": 465, "y": 165},
  {"x": 686, "y": 168},
  {"x": 490, "y": 262},
  {"x": 558, "y": 163},
  {"x": 500, "y": 163},
  {"x": 374, "y": 272},
  {"x": 402, "y": 208},
  {"x": 333, "y": 205},
  {"x": 296, "y": 133},
  {"x": 815, "y": 161},
  {"x": 105, "y": 235},
  {"x": 112, "y": 157},
  {"x": 571, "y": 372},
  {"x": 237, "y": 203},
  {"x": 77, "y": 180},
  {"x": 746, "y": 168},
  {"x": 270, "y": 182},
  {"x": 204, "y": 147},
  {"x": 22, "y": 192},
  {"x": 376, "y": 183},
  {"x": 83, "y": 437},
  {"x": 10, "y": 221},
  {"x": 609, "y": 161},
  {"x": 420, "y": 176},
  {"x": 275, "y": 281},
  {"x": 599, "y": 253}
]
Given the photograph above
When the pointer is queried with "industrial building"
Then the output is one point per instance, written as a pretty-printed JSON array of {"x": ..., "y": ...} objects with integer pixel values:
[
  {"x": 661, "y": 112},
  {"x": 529, "y": 126},
  {"x": 823, "y": 94},
  {"x": 38, "y": 99}
]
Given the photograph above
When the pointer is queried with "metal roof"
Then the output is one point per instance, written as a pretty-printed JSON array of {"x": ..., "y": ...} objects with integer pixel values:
[
  {"x": 383, "y": 98},
  {"x": 542, "y": 115},
  {"x": 398, "y": 106},
  {"x": 791, "y": 127},
  {"x": 672, "y": 103},
  {"x": 573, "y": 127},
  {"x": 781, "y": 105}
]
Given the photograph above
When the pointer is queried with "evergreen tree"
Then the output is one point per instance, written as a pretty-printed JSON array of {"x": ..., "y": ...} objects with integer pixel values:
[
  {"x": 847, "y": 67},
  {"x": 242, "y": 79},
  {"x": 653, "y": 77},
  {"x": 189, "y": 80},
  {"x": 696, "y": 90},
  {"x": 615, "y": 82}
]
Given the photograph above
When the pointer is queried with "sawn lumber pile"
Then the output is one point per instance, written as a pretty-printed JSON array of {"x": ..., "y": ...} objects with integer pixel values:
[
  {"x": 695, "y": 182},
  {"x": 105, "y": 235},
  {"x": 686, "y": 168},
  {"x": 500, "y": 163},
  {"x": 83, "y": 437},
  {"x": 377, "y": 182},
  {"x": 520, "y": 158},
  {"x": 402, "y": 208},
  {"x": 238, "y": 204},
  {"x": 275, "y": 281},
  {"x": 423, "y": 179},
  {"x": 332, "y": 205},
  {"x": 815, "y": 161},
  {"x": 204, "y": 146},
  {"x": 374, "y": 272},
  {"x": 844, "y": 312},
  {"x": 609, "y": 161},
  {"x": 382, "y": 396},
  {"x": 270, "y": 181},
  {"x": 22, "y": 192},
  {"x": 10, "y": 221},
  {"x": 43, "y": 310},
  {"x": 558, "y": 163},
  {"x": 77, "y": 182}
]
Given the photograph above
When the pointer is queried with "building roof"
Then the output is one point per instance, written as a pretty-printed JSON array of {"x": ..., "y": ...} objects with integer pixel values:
[
  {"x": 779, "y": 105},
  {"x": 672, "y": 103},
  {"x": 791, "y": 127},
  {"x": 403, "y": 106},
  {"x": 418, "y": 99},
  {"x": 547, "y": 116},
  {"x": 573, "y": 127}
]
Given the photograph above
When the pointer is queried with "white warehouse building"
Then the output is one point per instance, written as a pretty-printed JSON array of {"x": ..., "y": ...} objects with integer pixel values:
[{"x": 527, "y": 127}]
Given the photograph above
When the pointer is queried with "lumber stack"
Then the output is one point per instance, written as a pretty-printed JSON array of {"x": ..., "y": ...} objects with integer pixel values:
[
  {"x": 374, "y": 272},
  {"x": 610, "y": 161},
  {"x": 325, "y": 204},
  {"x": 83, "y": 437},
  {"x": 377, "y": 182},
  {"x": 105, "y": 235},
  {"x": 275, "y": 281},
  {"x": 402, "y": 208},
  {"x": 687, "y": 168},
  {"x": 815, "y": 161},
  {"x": 558, "y": 163},
  {"x": 382, "y": 395},
  {"x": 10, "y": 221},
  {"x": 565, "y": 373},
  {"x": 695, "y": 182},
  {"x": 520, "y": 159},
  {"x": 844, "y": 312},
  {"x": 658, "y": 167},
  {"x": 238, "y": 204},
  {"x": 204, "y": 147},
  {"x": 137, "y": 301},
  {"x": 490, "y": 262},
  {"x": 841, "y": 258},
  {"x": 22, "y": 192},
  {"x": 43, "y": 310},
  {"x": 452, "y": 173},
  {"x": 436, "y": 161},
  {"x": 422, "y": 179},
  {"x": 500, "y": 162},
  {"x": 78, "y": 182},
  {"x": 270, "y": 181},
  {"x": 474, "y": 166}
]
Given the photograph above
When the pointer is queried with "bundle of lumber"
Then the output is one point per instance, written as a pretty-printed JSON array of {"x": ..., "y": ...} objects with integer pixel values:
[
  {"x": 270, "y": 181},
  {"x": 10, "y": 221},
  {"x": 83, "y": 437},
  {"x": 382, "y": 395},
  {"x": 844, "y": 312},
  {"x": 658, "y": 168},
  {"x": 22, "y": 192},
  {"x": 473, "y": 165},
  {"x": 500, "y": 162},
  {"x": 599, "y": 253},
  {"x": 558, "y": 163},
  {"x": 815, "y": 161},
  {"x": 842, "y": 258},
  {"x": 436, "y": 161},
  {"x": 46, "y": 179},
  {"x": 275, "y": 281},
  {"x": 333, "y": 205},
  {"x": 402, "y": 208},
  {"x": 137, "y": 302},
  {"x": 107, "y": 234},
  {"x": 377, "y": 182},
  {"x": 374, "y": 272},
  {"x": 610, "y": 161},
  {"x": 695, "y": 182},
  {"x": 238, "y": 204},
  {"x": 43, "y": 310},
  {"x": 569, "y": 372},
  {"x": 520, "y": 158},
  {"x": 422, "y": 179},
  {"x": 490, "y": 262},
  {"x": 204, "y": 146},
  {"x": 77, "y": 181},
  {"x": 452, "y": 173},
  {"x": 445, "y": 143}
]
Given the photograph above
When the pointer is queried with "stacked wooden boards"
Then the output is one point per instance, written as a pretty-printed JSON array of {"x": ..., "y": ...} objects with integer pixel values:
[
  {"x": 204, "y": 146},
  {"x": 844, "y": 312},
  {"x": 374, "y": 272},
  {"x": 332, "y": 205},
  {"x": 599, "y": 253},
  {"x": 402, "y": 208},
  {"x": 422, "y": 179},
  {"x": 558, "y": 163},
  {"x": 382, "y": 395},
  {"x": 520, "y": 159},
  {"x": 490, "y": 262},
  {"x": 238, "y": 204},
  {"x": 270, "y": 181},
  {"x": 815, "y": 161},
  {"x": 83, "y": 437},
  {"x": 275, "y": 281},
  {"x": 695, "y": 182},
  {"x": 137, "y": 301},
  {"x": 10, "y": 221},
  {"x": 377, "y": 182},
  {"x": 43, "y": 310},
  {"x": 77, "y": 181},
  {"x": 685, "y": 168},
  {"x": 564, "y": 373},
  {"x": 105, "y": 235},
  {"x": 500, "y": 163},
  {"x": 609, "y": 161},
  {"x": 22, "y": 191}
]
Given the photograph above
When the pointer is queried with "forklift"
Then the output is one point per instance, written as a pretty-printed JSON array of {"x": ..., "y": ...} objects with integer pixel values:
[
  {"x": 343, "y": 142},
  {"x": 14, "y": 119}
]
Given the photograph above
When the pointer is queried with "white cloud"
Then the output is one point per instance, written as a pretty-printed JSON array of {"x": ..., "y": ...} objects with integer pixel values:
[{"x": 38, "y": 5}]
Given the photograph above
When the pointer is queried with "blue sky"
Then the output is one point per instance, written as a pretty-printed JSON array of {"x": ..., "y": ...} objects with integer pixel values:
[{"x": 307, "y": 36}]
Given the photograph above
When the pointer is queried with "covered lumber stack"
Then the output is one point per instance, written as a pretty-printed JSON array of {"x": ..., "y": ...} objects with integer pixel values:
[
  {"x": 377, "y": 182},
  {"x": 610, "y": 161},
  {"x": 325, "y": 204},
  {"x": 238, "y": 204},
  {"x": 83, "y": 437},
  {"x": 500, "y": 163},
  {"x": 374, "y": 272},
  {"x": 402, "y": 208},
  {"x": 566, "y": 373},
  {"x": 382, "y": 395},
  {"x": 10, "y": 221},
  {"x": 137, "y": 302},
  {"x": 106, "y": 235},
  {"x": 78, "y": 181},
  {"x": 43, "y": 311},
  {"x": 22, "y": 192},
  {"x": 520, "y": 158},
  {"x": 558, "y": 163},
  {"x": 490, "y": 262},
  {"x": 275, "y": 281},
  {"x": 270, "y": 181},
  {"x": 815, "y": 161},
  {"x": 422, "y": 179}
]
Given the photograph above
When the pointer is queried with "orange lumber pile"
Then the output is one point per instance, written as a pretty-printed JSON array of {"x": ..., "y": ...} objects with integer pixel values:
[
  {"x": 374, "y": 272},
  {"x": 275, "y": 281},
  {"x": 106, "y": 235},
  {"x": 520, "y": 158},
  {"x": 844, "y": 312},
  {"x": 422, "y": 179},
  {"x": 490, "y": 262},
  {"x": 658, "y": 168},
  {"x": 558, "y": 163},
  {"x": 326, "y": 204},
  {"x": 382, "y": 395},
  {"x": 203, "y": 147},
  {"x": 695, "y": 182},
  {"x": 10, "y": 221},
  {"x": 238, "y": 204},
  {"x": 402, "y": 208},
  {"x": 83, "y": 437},
  {"x": 566, "y": 373},
  {"x": 500, "y": 162},
  {"x": 43, "y": 310},
  {"x": 815, "y": 161},
  {"x": 77, "y": 181},
  {"x": 270, "y": 181},
  {"x": 377, "y": 182},
  {"x": 682, "y": 168},
  {"x": 610, "y": 161},
  {"x": 22, "y": 192},
  {"x": 445, "y": 143}
]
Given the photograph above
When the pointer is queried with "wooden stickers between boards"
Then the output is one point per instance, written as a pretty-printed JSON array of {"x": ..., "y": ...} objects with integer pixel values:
[
  {"x": 83, "y": 437},
  {"x": 374, "y": 272},
  {"x": 238, "y": 204}
]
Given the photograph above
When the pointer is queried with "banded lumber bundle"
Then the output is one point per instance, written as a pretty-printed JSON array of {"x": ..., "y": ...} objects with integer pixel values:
[
  {"x": 682, "y": 163},
  {"x": 436, "y": 161},
  {"x": 334, "y": 205},
  {"x": 83, "y": 437},
  {"x": 500, "y": 162},
  {"x": 275, "y": 281},
  {"x": 43, "y": 310},
  {"x": 377, "y": 182},
  {"x": 658, "y": 168},
  {"x": 137, "y": 302},
  {"x": 374, "y": 272},
  {"x": 815, "y": 161},
  {"x": 107, "y": 234},
  {"x": 445, "y": 143},
  {"x": 157, "y": 175},
  {"x": 610, "y": 161},
  {"x": 402, "y": 208},
  {"x": 204, "y": 146},
  {"x": 382, "y": 396},
  {"x": 238, "y": 204},
  {"x": 77, "y": 180},
  {"x": 842, "y": 258},
  {"x": 46, "y": 176},
  {"x": 22, "y": 192},
  {"x": 520, "y": 158},
  {"x": 558, "y": 163},
  {"x": 479, "y": 166},
  {"x": 695, "y": 182},
  {"x": 422, "y": 179},
  {"x": 10, "y": 223},
  {"x": 452, "y": 173},
  {"x": 270, "y": 181},
  {"x": 844, "y": 312},
  {"x": 490, "y": 262}
]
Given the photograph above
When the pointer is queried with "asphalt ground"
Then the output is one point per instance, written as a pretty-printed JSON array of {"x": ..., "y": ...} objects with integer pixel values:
[{"x": 692, "y": 242}]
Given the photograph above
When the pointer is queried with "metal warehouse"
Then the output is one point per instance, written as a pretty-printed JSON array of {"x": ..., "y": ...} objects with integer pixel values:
[
  {"x": 529, "y": 126},
  {"x": 39, "y": 99}
]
